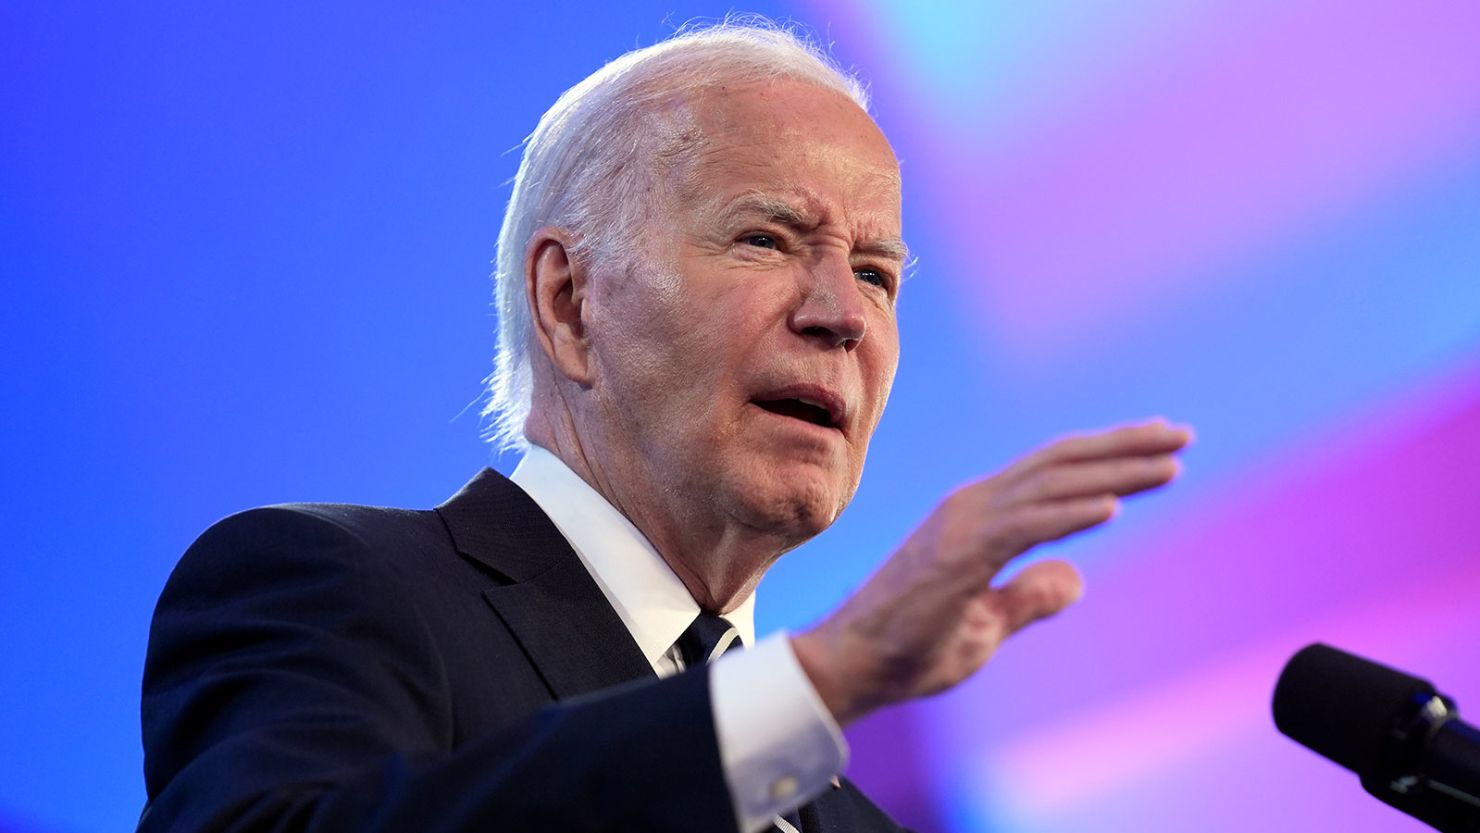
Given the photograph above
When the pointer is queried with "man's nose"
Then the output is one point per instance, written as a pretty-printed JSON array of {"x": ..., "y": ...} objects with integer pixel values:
[{"x": 831, "y": 308}]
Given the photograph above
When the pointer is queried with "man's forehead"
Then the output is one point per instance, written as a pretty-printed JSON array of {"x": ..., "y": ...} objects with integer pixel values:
[
  {"x": 783, "y": 160},
  {"x": 776, "y": 113},
  {"x": 787, "y": 151}
]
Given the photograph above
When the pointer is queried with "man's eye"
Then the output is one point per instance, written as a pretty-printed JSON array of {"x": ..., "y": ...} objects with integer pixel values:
[
  {"x": 873, "y": 276},
  {"x": 763, "y": 241}
]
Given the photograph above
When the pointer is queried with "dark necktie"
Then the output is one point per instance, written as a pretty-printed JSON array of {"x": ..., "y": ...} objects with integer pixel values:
[{"x": 708, "y": 638}]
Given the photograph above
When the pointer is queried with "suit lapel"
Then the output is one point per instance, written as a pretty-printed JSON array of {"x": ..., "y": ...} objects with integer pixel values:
[{"x": 550, "y": 603}]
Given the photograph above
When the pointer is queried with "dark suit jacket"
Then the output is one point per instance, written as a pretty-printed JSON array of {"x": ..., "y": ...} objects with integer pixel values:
[{"x": 320, "y": 667}]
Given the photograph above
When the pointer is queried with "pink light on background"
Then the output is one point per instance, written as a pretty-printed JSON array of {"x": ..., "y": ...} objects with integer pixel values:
[
  {"x": 1148, "y": 735},
  {"x": 1086, "y": 221},
  {"x": 1367, "y": 542}
]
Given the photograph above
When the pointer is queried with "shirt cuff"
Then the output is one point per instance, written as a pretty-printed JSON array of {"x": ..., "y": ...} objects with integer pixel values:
[{"x": 778, "y": 744}]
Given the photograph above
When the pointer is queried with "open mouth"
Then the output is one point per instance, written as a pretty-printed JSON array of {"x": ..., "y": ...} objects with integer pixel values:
[{"x": 798, "y": 409}]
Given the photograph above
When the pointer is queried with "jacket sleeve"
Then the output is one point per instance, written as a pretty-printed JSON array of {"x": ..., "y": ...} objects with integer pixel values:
[{"x": 291, "y": 685}]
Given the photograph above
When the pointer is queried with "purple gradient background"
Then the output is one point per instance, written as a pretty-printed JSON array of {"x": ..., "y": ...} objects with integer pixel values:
[{"x": 245, "y": 262}]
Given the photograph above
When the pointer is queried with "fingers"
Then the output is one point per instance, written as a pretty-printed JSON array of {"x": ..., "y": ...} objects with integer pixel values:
[
  {"x": 1038, "y": 592},
  {"x": 1117, "y": 476},
  {"x": 1040, "y": 523},
  {"x": 1144, "y": 439},
  {"x": 1075, "y": 484}
]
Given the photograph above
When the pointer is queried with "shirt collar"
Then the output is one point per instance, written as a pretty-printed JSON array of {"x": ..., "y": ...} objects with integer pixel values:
[{"x": 652, "y": 601}]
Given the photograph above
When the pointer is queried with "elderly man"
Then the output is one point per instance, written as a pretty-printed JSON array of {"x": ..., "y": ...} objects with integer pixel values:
[{"x": 697, "y": 282}]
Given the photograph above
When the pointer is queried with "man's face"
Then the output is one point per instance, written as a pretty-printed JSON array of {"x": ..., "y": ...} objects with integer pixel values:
[{"x": 744, "y": 358}]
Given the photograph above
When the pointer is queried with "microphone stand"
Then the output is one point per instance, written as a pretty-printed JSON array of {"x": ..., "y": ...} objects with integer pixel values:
[{"x": 1434, "y": 774}]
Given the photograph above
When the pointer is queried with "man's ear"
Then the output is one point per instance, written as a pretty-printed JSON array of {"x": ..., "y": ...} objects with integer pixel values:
[{"x": 555, "y": 288}]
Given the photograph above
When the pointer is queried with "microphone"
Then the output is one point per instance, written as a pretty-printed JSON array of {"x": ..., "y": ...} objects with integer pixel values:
[{"x": 1402, "y": 738}]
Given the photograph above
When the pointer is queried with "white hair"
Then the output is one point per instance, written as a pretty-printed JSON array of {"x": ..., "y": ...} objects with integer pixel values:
[{"x": 585, "y": 170}]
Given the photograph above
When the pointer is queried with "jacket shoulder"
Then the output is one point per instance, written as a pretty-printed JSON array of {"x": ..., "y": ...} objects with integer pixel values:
[
  {"x": 326, "y": 518},
  {"x": 367, "y": 548}
]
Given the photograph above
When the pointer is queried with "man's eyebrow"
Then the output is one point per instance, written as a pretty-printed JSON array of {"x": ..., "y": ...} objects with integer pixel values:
[
  {"x": 893, "y": 248},
  {"x": 785, "y": 212},
  {"x": 772, "y": 208}
]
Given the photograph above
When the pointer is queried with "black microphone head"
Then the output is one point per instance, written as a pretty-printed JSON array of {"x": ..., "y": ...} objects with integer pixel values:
[{"x": 1345, "y": 707}]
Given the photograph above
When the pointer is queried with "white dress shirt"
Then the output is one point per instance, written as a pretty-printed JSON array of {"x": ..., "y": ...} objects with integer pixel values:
[{"x": 779, "y": 746}]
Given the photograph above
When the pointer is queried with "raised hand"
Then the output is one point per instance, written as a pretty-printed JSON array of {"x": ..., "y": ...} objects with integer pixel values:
[{"x": 931, "y": 616}]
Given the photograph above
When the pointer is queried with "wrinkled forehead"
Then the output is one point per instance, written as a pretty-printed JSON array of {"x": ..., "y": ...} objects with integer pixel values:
[{"x": 783, "y": 138}]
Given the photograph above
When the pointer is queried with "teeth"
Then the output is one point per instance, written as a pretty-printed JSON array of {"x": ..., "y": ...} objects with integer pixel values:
[{"x": 826, "y": 411}]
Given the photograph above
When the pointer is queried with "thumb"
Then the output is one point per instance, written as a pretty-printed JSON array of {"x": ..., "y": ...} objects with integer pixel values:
[{"x": 1041, "y": 590}]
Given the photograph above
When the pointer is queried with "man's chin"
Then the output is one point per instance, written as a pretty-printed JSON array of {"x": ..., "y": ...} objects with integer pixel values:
[{"x": 793, "y": 507}]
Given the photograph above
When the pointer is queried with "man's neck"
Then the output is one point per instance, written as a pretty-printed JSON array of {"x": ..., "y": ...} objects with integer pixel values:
[
  {"x": 653, "y": 602},
  {"x": 720, "y": 562}
]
